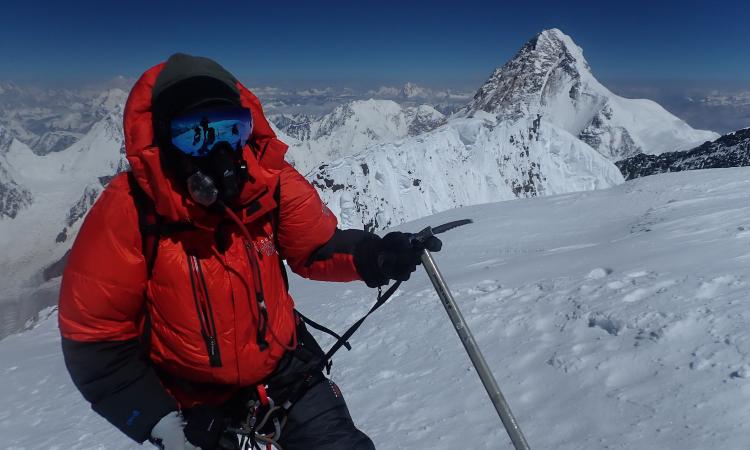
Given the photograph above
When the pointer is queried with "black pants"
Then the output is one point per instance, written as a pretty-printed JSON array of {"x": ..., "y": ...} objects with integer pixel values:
[{"x": 320, "y": 420}]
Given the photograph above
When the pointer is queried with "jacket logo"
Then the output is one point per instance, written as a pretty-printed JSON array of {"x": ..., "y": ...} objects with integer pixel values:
[{"x": 266, "y": 246}]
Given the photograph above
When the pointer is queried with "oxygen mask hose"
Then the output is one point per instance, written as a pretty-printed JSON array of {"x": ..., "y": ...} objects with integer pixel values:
[{"x": 254, "y": 262}]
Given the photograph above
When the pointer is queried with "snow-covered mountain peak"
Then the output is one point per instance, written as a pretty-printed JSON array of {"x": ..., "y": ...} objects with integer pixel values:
[
  {"x": 411, "y": 90},
  {"x": 361, "y": 115},
  {"x": 558, "y": 42},
  {"x": 550, "y": 79},
  {"x": 537, "y": 73}
]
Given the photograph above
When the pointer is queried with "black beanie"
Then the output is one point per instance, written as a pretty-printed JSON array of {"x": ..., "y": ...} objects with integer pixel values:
[{"x": 187, "y": 82}]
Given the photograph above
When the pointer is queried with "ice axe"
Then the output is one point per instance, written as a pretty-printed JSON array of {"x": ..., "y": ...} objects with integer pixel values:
[{"x": 467, "y": 339}]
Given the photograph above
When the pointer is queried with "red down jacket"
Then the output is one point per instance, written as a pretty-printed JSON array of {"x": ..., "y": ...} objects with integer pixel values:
[{"x": 198, "y": 294}]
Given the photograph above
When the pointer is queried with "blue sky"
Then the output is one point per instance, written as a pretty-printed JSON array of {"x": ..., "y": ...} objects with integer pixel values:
[{"x": 370, "y": 43}]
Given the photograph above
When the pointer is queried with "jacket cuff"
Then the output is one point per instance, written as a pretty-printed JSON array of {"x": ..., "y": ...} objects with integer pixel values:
[
  {"x": 136, "y": 409},
  {"x": 118, "y": 381}
]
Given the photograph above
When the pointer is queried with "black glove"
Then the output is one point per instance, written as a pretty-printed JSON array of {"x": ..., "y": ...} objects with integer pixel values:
[
  {"x": 206, "y": 427},
  {"x": 394, "y": 257}
]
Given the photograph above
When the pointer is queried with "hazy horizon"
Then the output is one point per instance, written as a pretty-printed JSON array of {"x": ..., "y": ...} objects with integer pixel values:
[{"x": 684, "y": 98}]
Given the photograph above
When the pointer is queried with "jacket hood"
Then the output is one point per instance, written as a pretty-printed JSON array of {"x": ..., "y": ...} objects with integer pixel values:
[{"x": 264, "y": 153}]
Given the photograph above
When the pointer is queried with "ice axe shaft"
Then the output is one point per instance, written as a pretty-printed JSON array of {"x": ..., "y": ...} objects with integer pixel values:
[{"x": 467, "y": 339}]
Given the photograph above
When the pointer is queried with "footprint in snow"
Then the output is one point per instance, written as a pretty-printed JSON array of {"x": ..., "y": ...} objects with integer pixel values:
[
  {"x": 742, "y": 372},
  {"x": 607, "y": 323},
  {"x": 486, "y": 286}
]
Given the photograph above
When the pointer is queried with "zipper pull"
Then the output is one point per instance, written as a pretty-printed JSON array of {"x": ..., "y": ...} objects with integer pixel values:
[{"x": 213, "y": 352}]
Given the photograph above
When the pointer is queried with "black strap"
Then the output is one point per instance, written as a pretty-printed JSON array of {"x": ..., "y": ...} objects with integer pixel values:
[
  {"x": 343, "y": 340},
  {"x": 322, "y": 328},
  {"x": 325, "y": 361},
  {"x": 149, "y": 224}
]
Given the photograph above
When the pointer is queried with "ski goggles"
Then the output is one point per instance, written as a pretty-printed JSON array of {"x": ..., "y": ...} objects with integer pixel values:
[{"x": 199, "y": 131}]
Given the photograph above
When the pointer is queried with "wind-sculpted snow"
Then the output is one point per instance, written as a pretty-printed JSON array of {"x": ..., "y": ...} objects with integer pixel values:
[
  {"x": 467, "y": 162},
  {"x": 611, "y": 319},
  {"x": 730, "y": 150},
  {"x": 550, "y": 77}
]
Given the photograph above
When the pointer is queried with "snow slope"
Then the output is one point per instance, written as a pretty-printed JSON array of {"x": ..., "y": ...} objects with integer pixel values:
[{"x": 612, "y": 319}]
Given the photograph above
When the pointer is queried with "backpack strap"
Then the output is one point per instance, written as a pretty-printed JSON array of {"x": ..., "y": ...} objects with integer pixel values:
[{"x": 149, "y": 224}]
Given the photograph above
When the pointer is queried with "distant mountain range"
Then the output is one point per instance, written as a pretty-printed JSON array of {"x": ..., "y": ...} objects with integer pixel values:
[
  {"x": 51, "y": 120},
  {"x": 540, "y": 125}
]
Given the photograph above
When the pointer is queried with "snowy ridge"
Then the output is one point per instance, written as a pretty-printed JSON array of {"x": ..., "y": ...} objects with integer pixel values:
[
  {"x": 730, "y": 150},
  {"x": 550, "y": 77},
  {"x": 468, "y": 162},
  {"x": 63, "y": 185},
  {"x": 606, "y": 327},
  {"x": 13, "y": 197},
  {"x": 351, "y": 128}
]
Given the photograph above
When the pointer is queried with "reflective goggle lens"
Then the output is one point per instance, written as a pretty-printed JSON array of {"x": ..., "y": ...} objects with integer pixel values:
[{"x": 197, "y": 132}]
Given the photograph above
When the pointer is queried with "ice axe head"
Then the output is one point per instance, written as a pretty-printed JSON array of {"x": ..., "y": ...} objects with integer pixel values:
[{"x": 426, "y": 238}]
